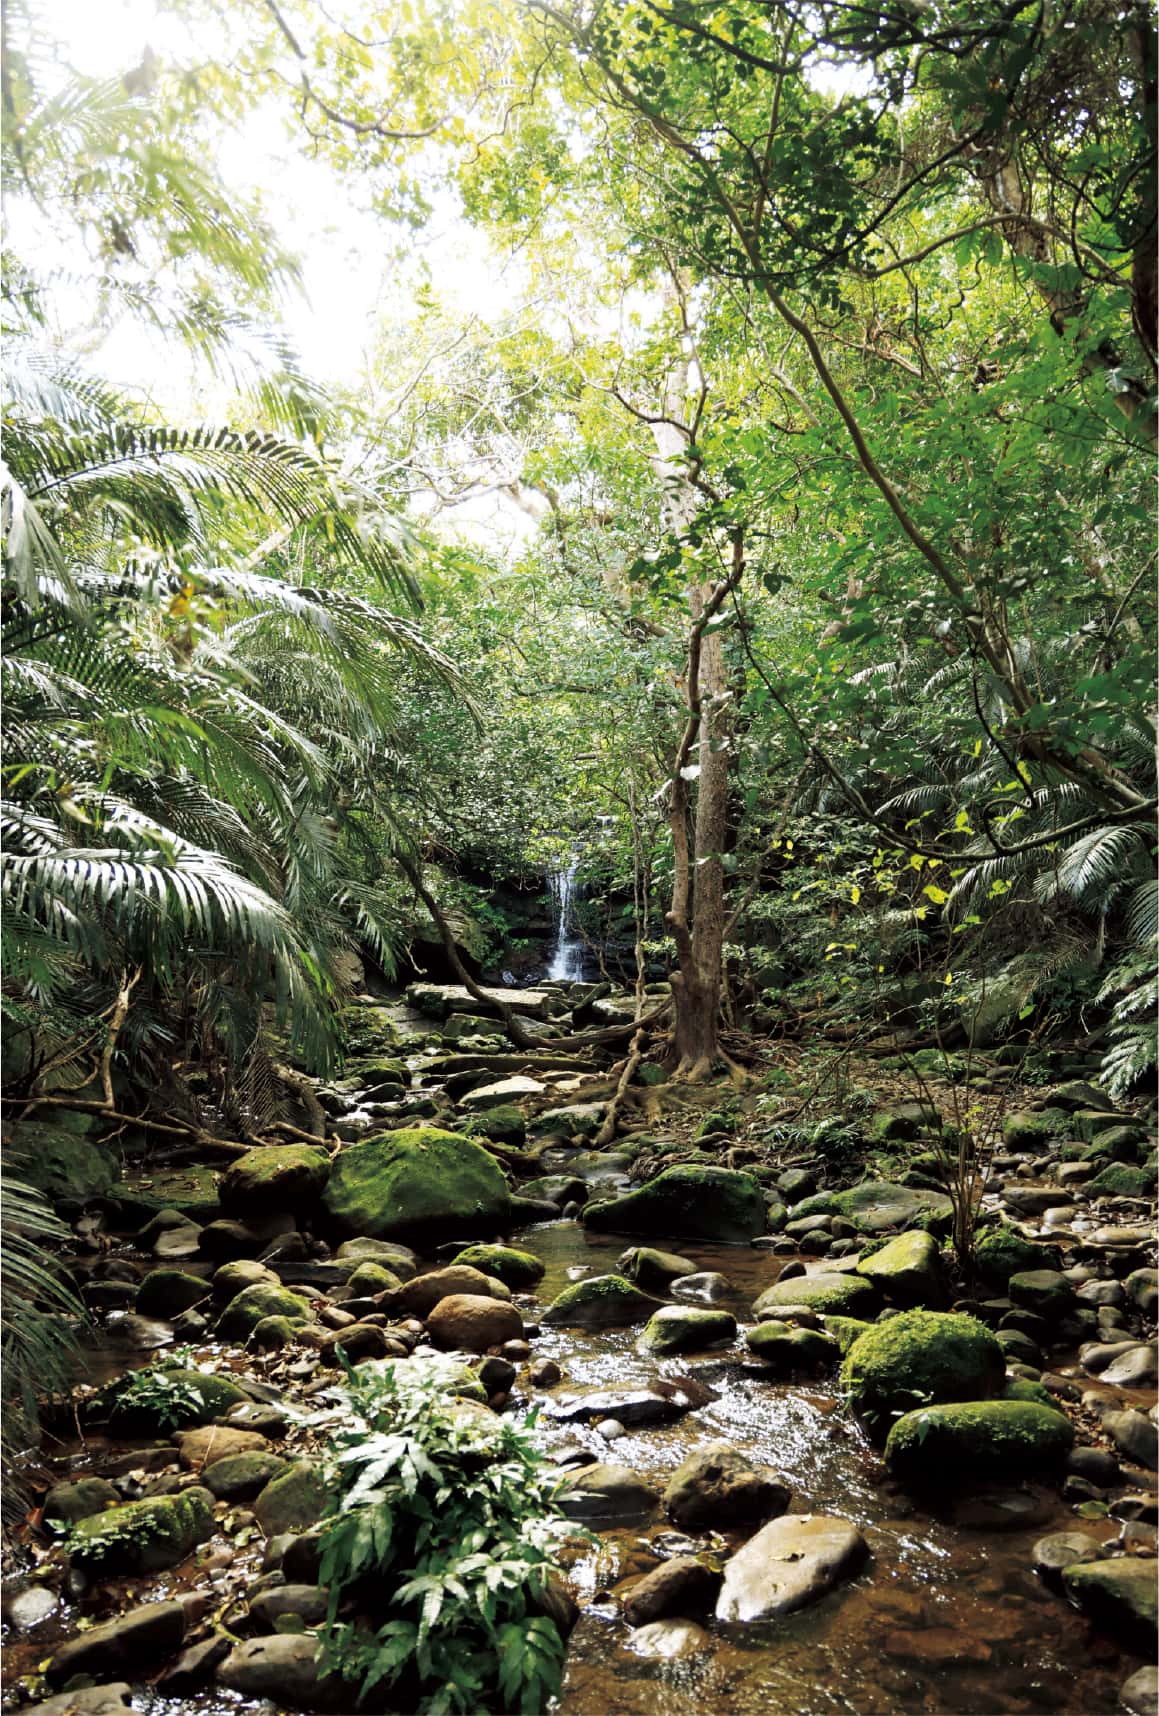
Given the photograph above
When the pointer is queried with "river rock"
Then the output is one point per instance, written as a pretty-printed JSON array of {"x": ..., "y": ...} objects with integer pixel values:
[
  {"x": 668, "y": 1640},
  {"x": 1135, "y": 1435},
  {"x": 516, "y": 1269},
  {"x": 282, "y": 1667},
  {"x": 600, "y": 1302},
  {"x": 1060, "y": 1550},
  {"x": 253, "y": 1304},
  {"x": 497, "y": 1095},
  {"x": 686, "y": 1329},
  {"x": 920, "y": 1357},
  {"x": 293, "y": 1501},
  {"x": 164, "y": 1292},
  {"x": 908, "y": 1270},
  {"x": 690, "y": 1202},
  {"x": 70, "y": 1502},
  {"x": 1136, "y": 1368},
  {"x": 437, "y": 1000},
  {"x": 1139, "y": 1694},
  {"x": 785, "y": 1349},
  {"x": 653, "y": 1270},
  {"x": 192, "y": 1397},
  {"x": 606, "y": 1496},
  {"x": 1120, "y": 1595},
  {"x": 636, "y": 1406},
  {"x": 717, "y": 1487},
  {"x": 1142, "y": 1288},
  {"x": 876, "y": 1206},
  {"x": 86, "y": 1701},
  {"x": 398, "y": 1258},
  {"x": 308, "y": 1602},
  {"x": 790, "y": 1563},
  {"x": 827, "y": 1291},
  {"x": 274, "y": 1177},
  {"x": 146, "y": 1536},
  {"x": 576, "y": 1120},
  {"x": 680, "y": 1586},
  {"x": 241, "y": 1477},
  {"x": 177, "y": 1243},
  {"x": 131, "y": 1642},
  {"x": 213, "y": 1442},
  {"x": 939, "y": 1445},
  {"x": 471, "y": 1322},
  {"x": 707, "y": 1286},
  {"x": 414, "y": 1184},
  {"x": 420, "y": 1296},
  {"x": 1046, "y": 1292}
]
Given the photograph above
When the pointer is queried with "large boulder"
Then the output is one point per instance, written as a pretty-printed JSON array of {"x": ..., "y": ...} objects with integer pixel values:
[
  {"x": 166, "y": 1292},
  {"x": 468, "y": 1322},
  {"x": 919, "y": 1358},
  {"x": 717, "y": 1487},
  {"x": 908, "y": 1270},
  {"x": 600, "y": 1302},
  {"x": 416, "y": 1184},
  {"x": 688, "y": 1202},
  {"x": 66, "y": 1166},
  {"x": 284, "y": 1668},
  {"x": 686, "y": 1329},
  {"x": 131, "y": 1642},
  {"x": 847, "y": 1295},
  {"x": 939, "y": 1445},
  {"x": 274, "y": 1177},
  {"x": 791, "y": 1562},
  {"x": 146, "y": 1536}
]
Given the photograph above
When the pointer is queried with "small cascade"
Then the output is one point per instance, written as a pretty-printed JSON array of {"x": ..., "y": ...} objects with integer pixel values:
[{"x": 567, "y": 957}]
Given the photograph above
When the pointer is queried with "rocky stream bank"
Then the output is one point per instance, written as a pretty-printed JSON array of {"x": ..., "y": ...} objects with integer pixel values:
[{"x": 822, "y": 1472}]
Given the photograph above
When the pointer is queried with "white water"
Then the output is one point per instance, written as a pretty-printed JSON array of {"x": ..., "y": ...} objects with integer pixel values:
[{"x": 567, "y": 958}]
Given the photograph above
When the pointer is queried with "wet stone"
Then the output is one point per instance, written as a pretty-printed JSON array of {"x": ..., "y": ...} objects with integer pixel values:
[
  {"x": 1062, "y": 1549},
  {"x": 670, "y": 1640},
  {"x": 789, "y": 1564}
]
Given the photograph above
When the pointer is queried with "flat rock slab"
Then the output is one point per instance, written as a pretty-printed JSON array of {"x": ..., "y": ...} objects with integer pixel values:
[
  {"x": 503, "y": 1091},
  {"x": 790, "y": 1563},
  {"x": 638, "y": 1406},
  {"x": 439, "y": 999}
]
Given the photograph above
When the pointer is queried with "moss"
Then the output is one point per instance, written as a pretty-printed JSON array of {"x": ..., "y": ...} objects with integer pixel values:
[
  {"x": 843, "y": 1294},
  {"x": 600, "y": 1302},
  {"x": 62, "y": 1165},
  {"x": 143, "y": 1536},
  {"x": 1028, "y": 1129},
  {"x": 1021, "y": 1388},
  {"x": 686, "y": 1202},
  {"x": 505, "y": 1124},
  {"x": 908, "y": 1269},
  {"x": 1000, "y": 1252},
  {"x": 243, "y": 1314},
  {"x": 920, "y": 1357},
  {"x": 875, "y": 1206},
  {"x": 415, "y": 1183},
  {"x": 785, "y": 1348},
  {"x": 654, "y": 1270},
  {"x": 686, "y": 1329},
  {"x": 274, "y": 1177},
  {"x": 271, "y": 1334},
  {"x": 294, "y": 1501},
  {"x": 371, "y": 1278},
  {"x": 980, "y": 1438},
  {"x": 846, "y": 1330},
  {"x": 1119, "y": 1180},
  {"x": 1119, "y": 1595},
  {"x": 164, "y": 1292},
  {"x": 505, "y": 1263}
]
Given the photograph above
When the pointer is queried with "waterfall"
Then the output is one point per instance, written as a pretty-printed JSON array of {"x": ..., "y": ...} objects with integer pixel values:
[{"x": 567, "y": 958}]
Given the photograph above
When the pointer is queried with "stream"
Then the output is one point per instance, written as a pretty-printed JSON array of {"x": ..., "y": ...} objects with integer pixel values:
[{"x": 948, "y": 1617}]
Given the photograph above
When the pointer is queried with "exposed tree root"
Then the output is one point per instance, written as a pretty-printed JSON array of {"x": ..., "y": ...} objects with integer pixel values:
[
  {"x": 170, "y": 1126},
  {"x": 636, "y": 1054}
]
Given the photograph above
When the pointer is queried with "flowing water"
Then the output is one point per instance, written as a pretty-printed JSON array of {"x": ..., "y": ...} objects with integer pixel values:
[{"x": 568, "y": 956}]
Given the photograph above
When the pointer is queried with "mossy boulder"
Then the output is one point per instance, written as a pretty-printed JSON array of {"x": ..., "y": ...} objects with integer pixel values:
[
  {"x": 294, "y": 1500},
  {"x": 600, "y": 1302},
  {"x": 1000, "y": 1252},
  {"x": 60, "y": 1162},
  {"x": 1119, "y": 1595},
  {"x": 1035, "y": 1129},
  {"x": 690, "y": 1202},
  {"x": 921, "y": 1357},
  {"x": 939, "y": 1445},
  {"x": 274, "y": 1177},
  {"x": 654, "y": 1270},
  {"x": 505, "y": 1124},
  {"x": 1046, "y": 1292},
  {"x": 1021, "y": 1388},
  {"x": 146, "y": 1536},
  {"x": 846, "y": 1330},
  {"x": 1120, "y": 1180},
  {"x": 878, "y": 1206},
  {"x": 908, "y": 1270},
  {"x": 415, "y": 1185},
  {"x": 786, "y": 1349},
  {"x": 166, "y": 1292},
  {"x": 243, "y": 1313},
  {"x": 507, "y": 1264},
  {"x": 371, "y": 1278},
  {"x": 686, "y": 1329},
  {"x": 150, "y": 1403},
  {"x": 241, "y": 1477},
  {"x": 845, "y": 1295}
]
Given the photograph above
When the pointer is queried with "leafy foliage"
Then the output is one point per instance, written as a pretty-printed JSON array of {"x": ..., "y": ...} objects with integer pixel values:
[{"x": 438, "y": 1555}]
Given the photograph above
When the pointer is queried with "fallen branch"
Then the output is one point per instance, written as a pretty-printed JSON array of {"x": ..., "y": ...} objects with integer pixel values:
[{"x": 172, "y": 1128}]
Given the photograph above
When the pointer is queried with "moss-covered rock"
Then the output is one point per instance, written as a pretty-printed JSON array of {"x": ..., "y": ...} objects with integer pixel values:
[
  {"x": 150, "y": 1403},
  {"x": 600, "y": 1302},
  {"x": 689, "y": 1202},
  {"x": 877, "y": 1206},
  {"x": 1001, "y": 1252},
  {"x": 505, "y": 1124},
  {"x": 908, "y": 1270},
  {"x": 241, "y": 1477},
  {"x": 786, "y": 1349},
  {"x": 846, "y": 1330},
  {"x": 143, "y": 1536},
  {"x": 845, "y": 1295},
  {"x": 165, "y": 1292},
  {"x": 293, "y": 1501},
  {"x": 274, "y": 1177},
  {"x": 1021, "y": 1388},
  {"x": 1046, "y": 1292},
  {"x": 939, "y": 1445},
  {"x": 920, "y": 1357},
  {"x": 370, "y": 1278},
  {"x": 271, "y": 1334},
  {"x": 1035, "y": 1129},
  {"x": 507, "y": 1264},
  {"x": 415, "y": 1185},
  {"x": 686, "y": 1329},
  {"x": 654, "y": 1270},
  {"x": 61, "y": 1163},
  {"x": 1119, "y": 1595},
  {"x": 1121, "y": 1180},
  {"x": 243, "y": 1313}
]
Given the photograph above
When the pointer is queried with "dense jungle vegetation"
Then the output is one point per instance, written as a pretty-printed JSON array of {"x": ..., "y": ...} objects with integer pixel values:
[{"x": 772, "y": 534}]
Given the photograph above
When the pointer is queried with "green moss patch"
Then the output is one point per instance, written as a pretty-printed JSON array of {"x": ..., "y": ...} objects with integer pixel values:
[
  {"x": 939, "y": 1445},
  {"x": 416, "y": 1185},
  {"x": 921, "y": 1357}
]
